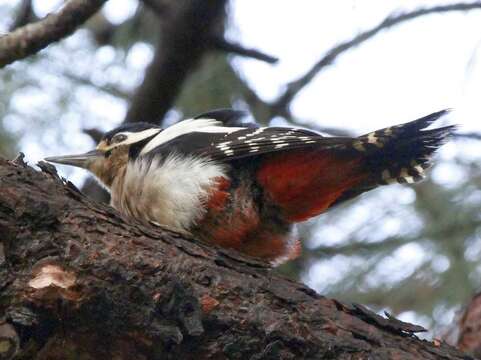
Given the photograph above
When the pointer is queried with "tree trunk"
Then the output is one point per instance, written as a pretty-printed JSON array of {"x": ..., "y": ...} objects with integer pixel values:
[{"x": 79, "y": 281}]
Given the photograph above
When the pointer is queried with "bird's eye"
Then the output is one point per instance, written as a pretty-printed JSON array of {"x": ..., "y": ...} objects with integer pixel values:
[{"x": 118, "y": 138}]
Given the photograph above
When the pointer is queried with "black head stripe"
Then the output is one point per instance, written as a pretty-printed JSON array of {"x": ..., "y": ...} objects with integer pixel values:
[
  {"x": 136, "y": 148},
  {"x": 129, "y": 127}
]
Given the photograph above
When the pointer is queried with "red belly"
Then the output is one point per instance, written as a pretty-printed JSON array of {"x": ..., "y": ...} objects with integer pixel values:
[{"x": 233, "y": 221}]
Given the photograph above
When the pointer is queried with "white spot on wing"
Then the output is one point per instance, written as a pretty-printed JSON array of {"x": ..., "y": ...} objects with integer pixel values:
[
  {"x": 358, "y": 145},
  {"x": 372, "y": 139}
]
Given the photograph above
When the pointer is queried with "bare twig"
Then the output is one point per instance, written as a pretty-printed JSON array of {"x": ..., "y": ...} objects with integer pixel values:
[
  {"x": 95, "y": 134},
  {"x": 29, "y": 39},
  {"x": 472, "y": 135},
  {"x": 108, "y": 89},
  {"x": 294, "y": 87},
  {"x": 184, "y": 41},
  {"x": 156, "y": 6},
  {"x": 24, "y": 15},
  {"x": 361, "y": 248},
  {"x": 218, "y": 42},
  {"x": 222, "y": 44}
]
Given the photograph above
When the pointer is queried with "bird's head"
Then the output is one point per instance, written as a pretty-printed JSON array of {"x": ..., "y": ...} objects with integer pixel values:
[{"x": 112, "y": 152}]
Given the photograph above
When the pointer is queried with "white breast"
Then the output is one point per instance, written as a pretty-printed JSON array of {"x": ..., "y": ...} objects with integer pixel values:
[{"x": 170, "y": 192}]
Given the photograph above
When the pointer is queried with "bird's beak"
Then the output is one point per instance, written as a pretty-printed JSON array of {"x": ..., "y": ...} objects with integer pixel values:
[{"x": 81, "y": 160}]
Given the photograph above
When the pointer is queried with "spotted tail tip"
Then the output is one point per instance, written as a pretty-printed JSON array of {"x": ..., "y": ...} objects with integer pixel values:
[{"x": 402, "y": 153}]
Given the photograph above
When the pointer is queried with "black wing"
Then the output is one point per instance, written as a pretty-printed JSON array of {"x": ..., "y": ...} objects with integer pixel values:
[
  {"x": 247, "y": 142},
  {"x": 229, "y": 117},
  {"x": 251, "y": 142}
]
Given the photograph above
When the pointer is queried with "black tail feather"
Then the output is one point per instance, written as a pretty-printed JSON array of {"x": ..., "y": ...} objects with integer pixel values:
[{"x": 399, "y": 154}]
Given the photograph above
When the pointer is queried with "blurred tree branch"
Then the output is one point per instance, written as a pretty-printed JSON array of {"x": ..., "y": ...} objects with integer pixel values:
[
  {"x": 24, "y": 15},
  {"x": 158, "y": 7},
  {"x": 219, "y": 43},
  {"x": 29, "y": 39},
  {"x": 281, "y": 105},
  {"x": 472, "y": 135},
  {"x": 183, "y": 42},
  {"x": 108, "y": 89},
  {"x": 264, "y": 111},
  {"x": 360, "y": 247}
]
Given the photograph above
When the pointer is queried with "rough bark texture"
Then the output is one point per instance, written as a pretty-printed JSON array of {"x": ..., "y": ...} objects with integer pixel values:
[
  {"x": 78, "y": 281},
  {"x": 470, "y": 327},
  {"x": 29, "y": 39}
]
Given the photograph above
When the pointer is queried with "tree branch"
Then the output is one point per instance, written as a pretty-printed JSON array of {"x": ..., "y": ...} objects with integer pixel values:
[
  {"x": 78, "y": 278},
  {"x": 24, "y": 15},
  {"x": 470, "y": 327},
  {"x": 219, "y": 43},
  {"x": 360, "y": 248},
  {"x": 158, "y": 7},
  {"x": 184, "y": 40},
  {"x": 108, "y": 89},
  {"x": 294, "y": 87},
  {"x": 472, "y": 135},
  {"x": 31, "y": 38}
]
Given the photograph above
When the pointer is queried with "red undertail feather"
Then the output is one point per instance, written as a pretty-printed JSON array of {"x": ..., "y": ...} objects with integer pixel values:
[{"x": 304, "y": 183}]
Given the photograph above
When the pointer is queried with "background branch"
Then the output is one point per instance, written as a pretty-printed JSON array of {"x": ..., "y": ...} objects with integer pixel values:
[
  {"x": 219, "y": 43},
  {"x": 294, "y": 87},
  {"x": 24, "y": 15},
  {"x": 183, "y": 42},
  {"x": 472, "y": 135},
  {"x": 29, "y": 39}
]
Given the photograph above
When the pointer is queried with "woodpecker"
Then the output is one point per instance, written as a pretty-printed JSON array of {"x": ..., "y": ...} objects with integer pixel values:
[{"x": 245, "y": 187}]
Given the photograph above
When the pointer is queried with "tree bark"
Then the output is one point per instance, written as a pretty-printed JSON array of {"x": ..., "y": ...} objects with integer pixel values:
[
  {"x": 470, "y": 327},
  {"x": 78, "y": 280}
]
